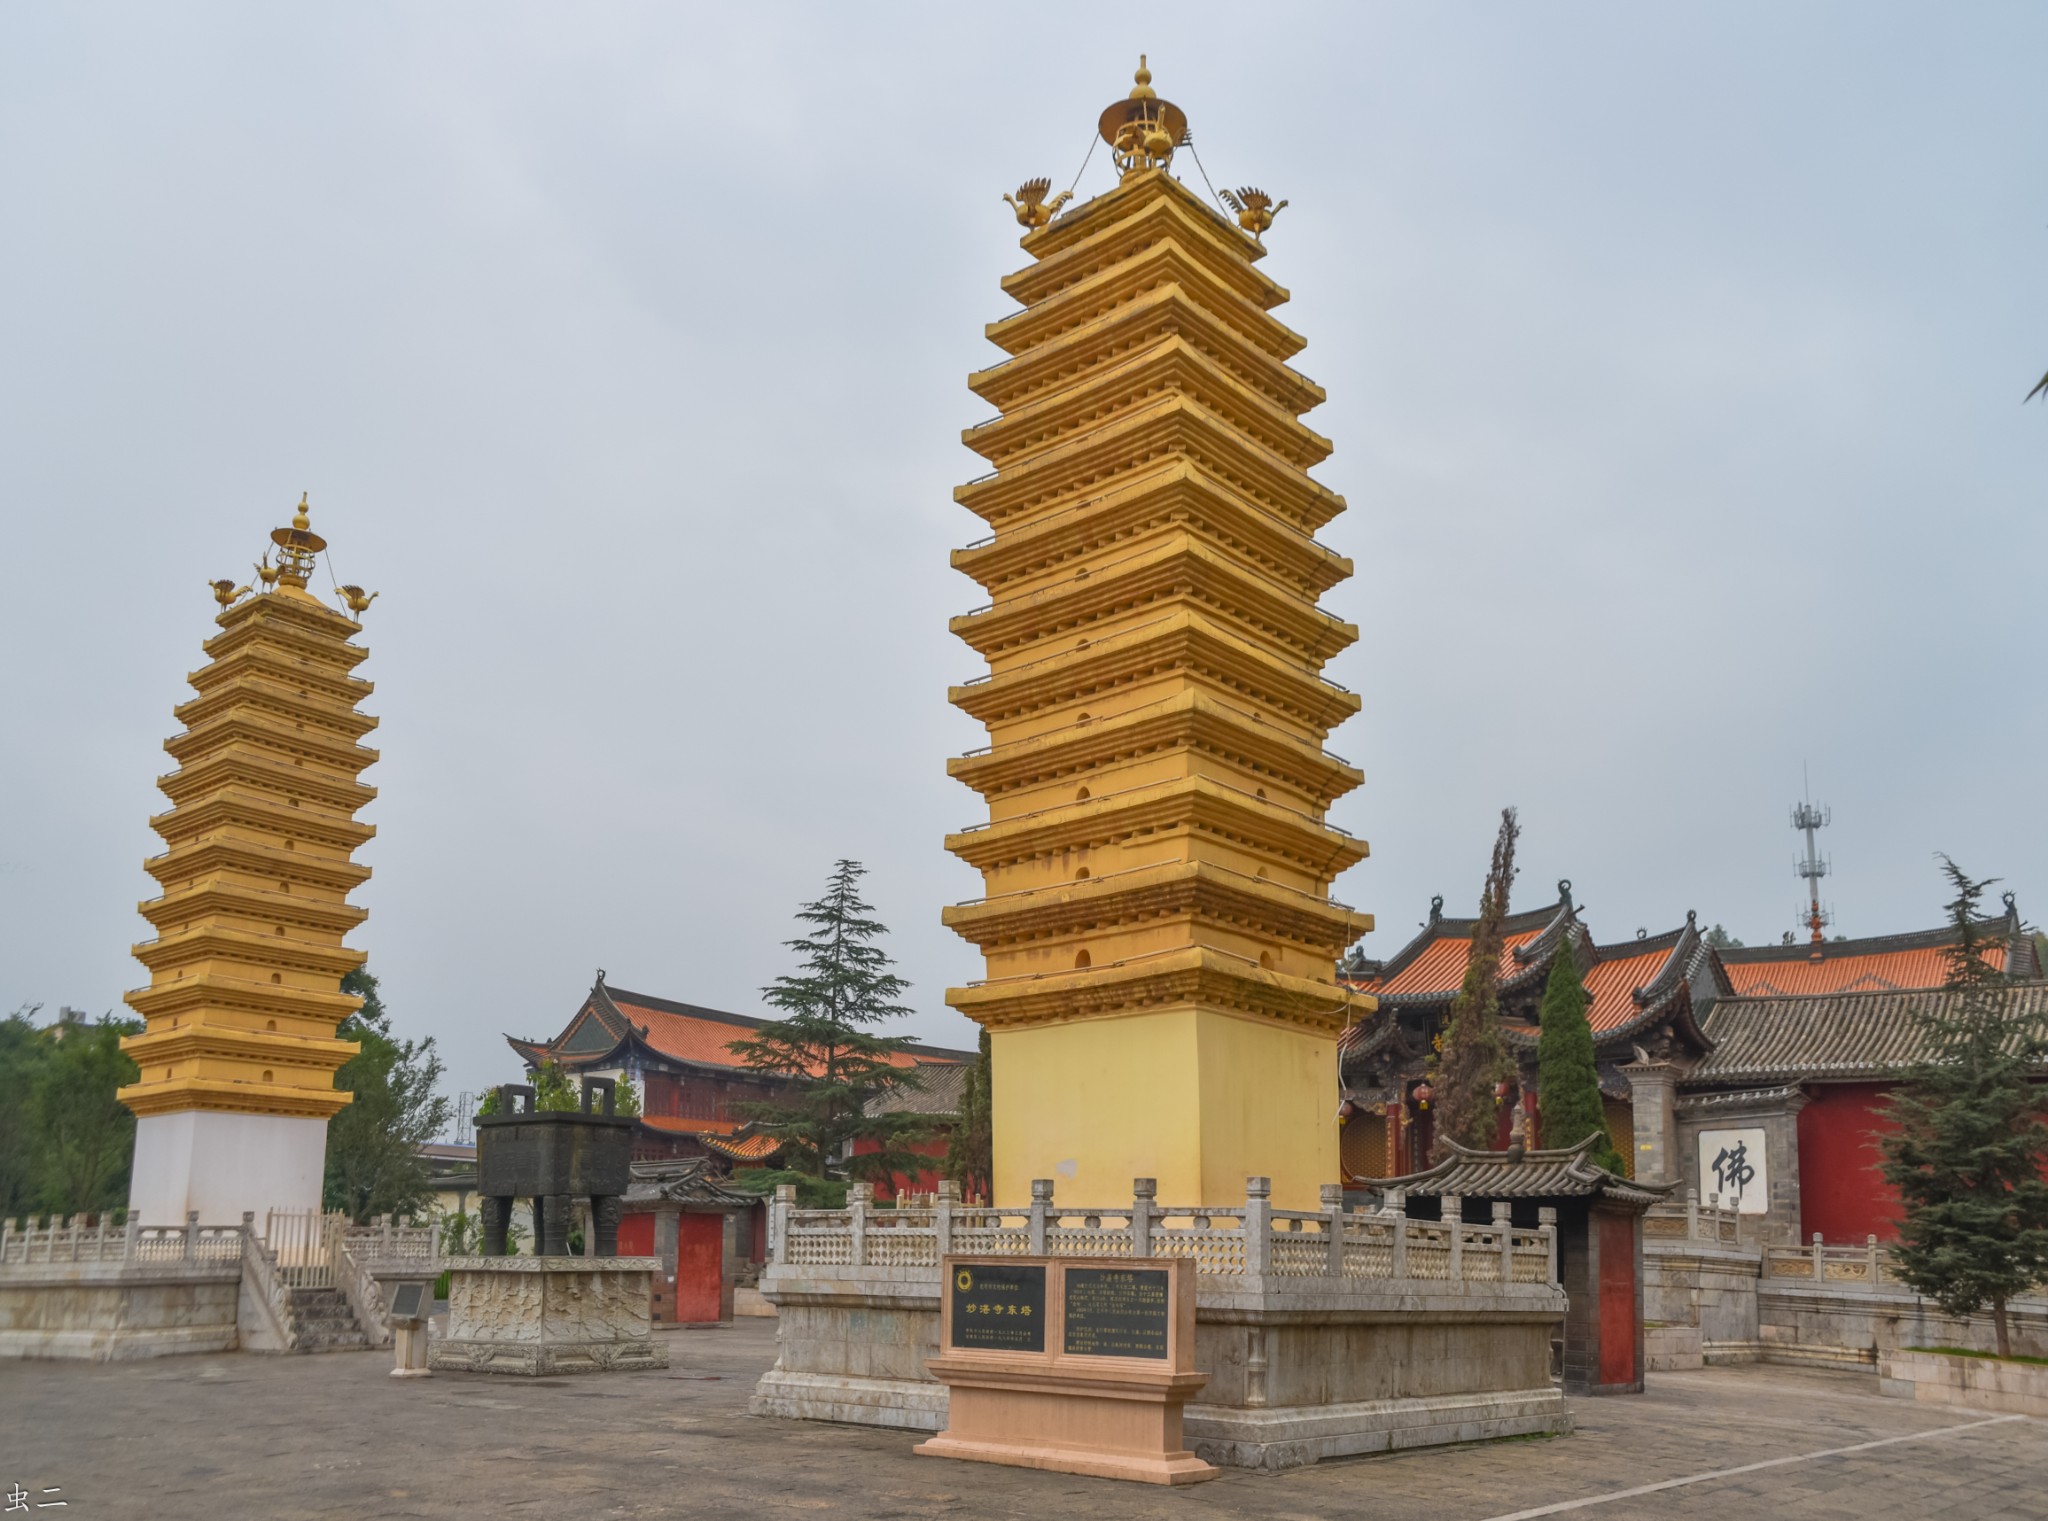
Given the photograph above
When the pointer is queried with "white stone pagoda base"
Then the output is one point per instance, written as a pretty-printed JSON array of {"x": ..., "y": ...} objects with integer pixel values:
[
  {"x": 223, "y": 1165},
  {"x": 543, "y": 1315}
]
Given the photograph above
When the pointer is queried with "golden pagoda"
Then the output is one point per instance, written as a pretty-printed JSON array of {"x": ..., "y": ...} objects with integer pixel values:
[
  {"x": 1160, "y": 939},
  {"x": 239, "y": 1051}
]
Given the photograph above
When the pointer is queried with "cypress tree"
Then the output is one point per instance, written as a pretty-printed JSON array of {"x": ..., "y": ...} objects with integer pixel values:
[
  {"x": 1472, "y": 1058},
  {"x": 1970, "y": 1155},
  {"x": 1568, "y": 1081},
  {"x": 826, "y": 1044},
  {"x": 970, "y": 1153}
]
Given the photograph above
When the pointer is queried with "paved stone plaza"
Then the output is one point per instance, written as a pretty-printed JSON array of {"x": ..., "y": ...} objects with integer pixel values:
[{"x": 333, "y": 1435}]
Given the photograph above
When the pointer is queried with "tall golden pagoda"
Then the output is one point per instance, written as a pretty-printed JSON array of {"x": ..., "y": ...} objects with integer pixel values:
[
  {"x": 239, "y": 1051},
  {"x": 1159, "y": 934}
]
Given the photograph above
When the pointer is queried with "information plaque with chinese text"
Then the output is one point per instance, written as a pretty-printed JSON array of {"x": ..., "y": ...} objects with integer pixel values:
[
  {"x": 1116, "y": 1312},
  {"x": 998, "y": 1307}
]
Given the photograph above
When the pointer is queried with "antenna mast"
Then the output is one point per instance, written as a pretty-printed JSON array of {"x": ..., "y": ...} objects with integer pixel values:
[{"x": 1806, "y": 818}]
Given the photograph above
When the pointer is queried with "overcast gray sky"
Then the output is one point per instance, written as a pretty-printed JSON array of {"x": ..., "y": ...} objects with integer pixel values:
[{"x": 1674, "y": 353}]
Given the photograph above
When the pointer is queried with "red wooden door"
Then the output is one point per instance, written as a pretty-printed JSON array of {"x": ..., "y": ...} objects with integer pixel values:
[
  {"x": 1617, "y": 1299},
  {"x": 700, "y": 1267}
]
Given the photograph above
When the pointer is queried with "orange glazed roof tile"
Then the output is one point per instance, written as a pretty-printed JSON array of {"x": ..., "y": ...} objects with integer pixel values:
[
  {"x": 670, "y": 1124},
  {"x": 1440, "y": 968},
  {"x": 1612, "y": 986},
  {"x": 1825, "y": 970},
  {"x": 753, "y": 1148}
]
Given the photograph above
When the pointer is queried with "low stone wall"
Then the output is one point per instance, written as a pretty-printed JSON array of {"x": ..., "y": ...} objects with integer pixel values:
[
  {"x": 1743, "y": 1305},
  {"x": 1699, "y": 1305},
  {"x": 1299, "y": 1370},
  {"x": 114, "y": 1311},
  {"x": 1972, "y": 1383}
]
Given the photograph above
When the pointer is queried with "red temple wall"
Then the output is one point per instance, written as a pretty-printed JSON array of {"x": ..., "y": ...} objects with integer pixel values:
[
  {"x": 1842, "y": 1192},
  {"x": 924, "y": 1181}
]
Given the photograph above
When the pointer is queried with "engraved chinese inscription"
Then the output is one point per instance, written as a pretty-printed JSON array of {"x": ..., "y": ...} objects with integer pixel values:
[
  {"x": 1116, "y": 1312},
  {"x": 998, "y": 1307}
]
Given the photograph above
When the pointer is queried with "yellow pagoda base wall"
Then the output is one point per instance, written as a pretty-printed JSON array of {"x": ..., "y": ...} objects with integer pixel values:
[{"x": 1196, "y": 1098}]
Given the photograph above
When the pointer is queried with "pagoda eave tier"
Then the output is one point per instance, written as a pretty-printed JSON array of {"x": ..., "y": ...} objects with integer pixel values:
[
  {"x": 1195, "y": 804},
  {"x": 246, "y": 770},
  {"x": 1171, "y": 427},
  {"x": 1171, "y": 364},
  {"x": 218, "y": 945},
  {"x": 217, "y": 1042},
  {"x": 234, "y": 1096},
  {"x": 237, "y": 995},
  {"x": 261, "y": 813},
  {"x": 1077, "y": 308},
  {"x": 1183, "y": 645},
  {"x": 1178, "y": 567},
  {"x": 1191, "y": 720},
  {"x": 1168, "y": 312},
  {"x": 1199, "y": 890},
  {"x": 262, "y": 905},
  {"x": 1193, "y": 978},
  {"x": 189, "y": 860},
  {"x": 1111, "y": 229},
  {"x": 285, "y": 669},
  {"x": 275, "y": 732},
  {"x": 1173, "y": 495}
]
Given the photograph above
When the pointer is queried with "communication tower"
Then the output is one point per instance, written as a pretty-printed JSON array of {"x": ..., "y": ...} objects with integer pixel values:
[{"x": 1807, "y": 818}]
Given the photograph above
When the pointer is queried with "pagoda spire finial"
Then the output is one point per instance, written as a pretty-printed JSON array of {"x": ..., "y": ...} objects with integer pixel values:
[{"x": 1141, "y": 129}]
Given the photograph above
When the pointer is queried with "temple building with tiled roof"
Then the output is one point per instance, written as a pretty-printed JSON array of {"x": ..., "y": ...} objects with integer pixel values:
[
  {"x": 1759, "y": 1074},
  {"x": 694, "y": 1089}
]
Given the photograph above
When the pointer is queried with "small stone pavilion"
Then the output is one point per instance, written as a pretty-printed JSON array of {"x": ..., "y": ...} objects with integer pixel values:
[{"x": 1599, "y": 1220}]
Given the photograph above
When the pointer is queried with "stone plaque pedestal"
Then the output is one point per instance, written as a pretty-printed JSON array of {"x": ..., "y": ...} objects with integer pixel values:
[
  {"x": 547, "y": 1315},
  {"x": 1076, "y": 1365}
]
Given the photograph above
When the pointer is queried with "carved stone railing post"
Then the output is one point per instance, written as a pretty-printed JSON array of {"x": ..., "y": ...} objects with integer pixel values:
[
  {"x": 1870, "y": 1248},
  {"x": 1453, "y": 1219},
  {"x": 1820, "y": 1270},
  {"x": 132, "y": 1239},
  {"x": 943, "y": 1206},
  {"x": 1041, "y": 1206},
  {"x": 192, "y": 1234},
  {"x": 1397, "y": 1206},
  {"x": 1546, "y": 1220},
  {"x": 1692, "y": 1214},
  {"x": 1144, "y": 1193},
  {"x": 858, "y": 1197},
  {"x": 1258, "y": 1226},
  {"x": 1504, "y": 1226},
  {"x": 1333, "y": 1228},
  {"x": 778, "y": 1221}
]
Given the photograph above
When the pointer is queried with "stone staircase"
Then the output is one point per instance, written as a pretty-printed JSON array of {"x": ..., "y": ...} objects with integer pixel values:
[{"x": 322, "y": 1320}]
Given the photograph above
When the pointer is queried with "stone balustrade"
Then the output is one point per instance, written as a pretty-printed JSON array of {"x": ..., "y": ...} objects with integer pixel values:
[
  {"x": 1712, "y": 1222},
  {"x": 25, "y": 1243},
  {"x": 1254, "y": 1240}
]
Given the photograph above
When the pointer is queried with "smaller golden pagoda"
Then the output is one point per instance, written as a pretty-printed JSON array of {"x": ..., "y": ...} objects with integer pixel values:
[{"x": 238, "y": 1053}]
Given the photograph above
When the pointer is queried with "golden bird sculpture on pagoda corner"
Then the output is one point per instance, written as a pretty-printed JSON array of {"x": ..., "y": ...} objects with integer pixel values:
[
  {"x": 266, "y": 572},
  {"x": 353, "y": 597},
  {"x": 1255, "y": 209},
  {"x": 226, "y": 593},
  {"x": 1032, "y": 208}
]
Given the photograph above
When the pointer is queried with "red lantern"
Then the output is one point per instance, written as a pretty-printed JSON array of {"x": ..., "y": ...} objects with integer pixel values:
[{"x": 1423, "y": 1094}]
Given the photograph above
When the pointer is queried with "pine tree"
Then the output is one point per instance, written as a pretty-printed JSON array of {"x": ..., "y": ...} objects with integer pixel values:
[
  {"x": 373, "y": 1162},
  {"x": 1568, "y": 1081},
  {"x": 825, "y": 1044},
  {"x": 1472, "y": 1059},
  {"x": 970, "y": 1152},
  {"x": 1970, "y": 1155}
]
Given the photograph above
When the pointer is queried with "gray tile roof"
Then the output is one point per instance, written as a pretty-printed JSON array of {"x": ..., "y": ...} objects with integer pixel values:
[
  {"x": 940, "y": 1088},
  {"x": 1537, "y": 1174},
  {"x": 1840, "y": 1036},
  {"x": 687, "y": 1181}
]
